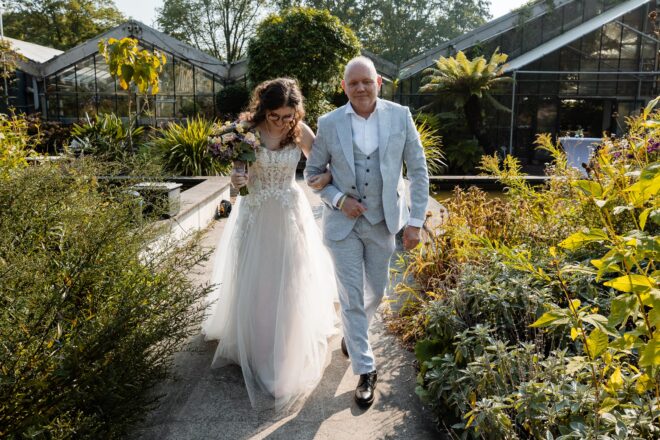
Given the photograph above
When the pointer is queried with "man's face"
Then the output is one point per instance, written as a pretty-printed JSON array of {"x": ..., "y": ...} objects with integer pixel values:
[{"x": 362, "y": 85}]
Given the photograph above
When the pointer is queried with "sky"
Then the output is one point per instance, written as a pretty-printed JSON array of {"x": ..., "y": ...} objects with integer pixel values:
[{"x": 145, "y": 10}]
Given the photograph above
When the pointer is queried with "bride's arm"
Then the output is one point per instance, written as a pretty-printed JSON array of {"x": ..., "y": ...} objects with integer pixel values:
[{"x": 319, "y": 181}]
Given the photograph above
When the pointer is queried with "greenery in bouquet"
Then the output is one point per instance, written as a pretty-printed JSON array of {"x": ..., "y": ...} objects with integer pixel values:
[{"x": 234, "y": 142}]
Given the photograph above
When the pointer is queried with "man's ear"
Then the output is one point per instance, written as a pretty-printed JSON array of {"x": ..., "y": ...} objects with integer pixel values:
[
  {"x": 343, "y": 85},
  {"x": 379, "y": 81}
]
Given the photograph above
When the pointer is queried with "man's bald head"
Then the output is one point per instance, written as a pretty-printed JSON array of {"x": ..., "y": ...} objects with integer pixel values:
[{"x": 360, "y": 61}]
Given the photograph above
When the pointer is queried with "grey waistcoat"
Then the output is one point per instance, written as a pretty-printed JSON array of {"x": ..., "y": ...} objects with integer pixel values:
[{"x": 369, "y": 184}]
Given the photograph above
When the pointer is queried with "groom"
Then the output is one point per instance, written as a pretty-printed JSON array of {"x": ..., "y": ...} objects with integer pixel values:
[{"x": 365, "y": 143}]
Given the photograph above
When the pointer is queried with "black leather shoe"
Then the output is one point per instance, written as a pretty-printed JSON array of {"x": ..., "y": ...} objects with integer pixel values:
[
  {"x": 343, "y": 347},
  {"x": 366, "y": 389}
]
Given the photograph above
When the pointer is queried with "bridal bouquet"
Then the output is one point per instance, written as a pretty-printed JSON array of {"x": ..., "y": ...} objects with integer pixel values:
[{"x": 234, "y": 142}]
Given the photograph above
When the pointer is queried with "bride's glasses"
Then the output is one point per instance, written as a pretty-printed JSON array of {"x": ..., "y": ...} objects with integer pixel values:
[{"x": 274, "y": 117}]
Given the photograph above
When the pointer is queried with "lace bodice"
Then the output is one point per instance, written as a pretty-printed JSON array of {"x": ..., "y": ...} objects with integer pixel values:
[{"x": 273, "y": 175}]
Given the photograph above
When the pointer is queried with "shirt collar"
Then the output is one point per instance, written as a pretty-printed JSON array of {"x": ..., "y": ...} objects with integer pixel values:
[{"x": 350, "y": 111}]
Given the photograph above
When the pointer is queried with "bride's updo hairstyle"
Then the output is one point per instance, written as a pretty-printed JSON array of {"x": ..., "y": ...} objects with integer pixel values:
[{"x": 272, "y": 95}]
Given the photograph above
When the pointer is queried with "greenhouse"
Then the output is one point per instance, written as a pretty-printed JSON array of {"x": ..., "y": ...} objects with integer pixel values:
[{"x": 580, "y": 67}]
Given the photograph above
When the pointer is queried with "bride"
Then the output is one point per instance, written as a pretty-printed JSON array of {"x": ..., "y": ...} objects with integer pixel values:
[{"x": 273, "y": 308}]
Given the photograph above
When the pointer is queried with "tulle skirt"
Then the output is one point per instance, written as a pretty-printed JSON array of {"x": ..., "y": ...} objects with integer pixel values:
[{"x": 273, "y": 308}]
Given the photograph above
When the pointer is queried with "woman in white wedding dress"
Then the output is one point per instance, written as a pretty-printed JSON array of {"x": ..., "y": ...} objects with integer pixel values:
[{"x": 273, "y": 308}]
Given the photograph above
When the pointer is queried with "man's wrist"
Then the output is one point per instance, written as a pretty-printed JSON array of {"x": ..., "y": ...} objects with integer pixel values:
[{"x": 415, "y": 223}]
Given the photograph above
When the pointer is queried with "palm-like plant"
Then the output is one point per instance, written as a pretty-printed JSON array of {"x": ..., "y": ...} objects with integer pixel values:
[
  {"x": 466, "y": 83},
  {"x": 184, "y": 148}
]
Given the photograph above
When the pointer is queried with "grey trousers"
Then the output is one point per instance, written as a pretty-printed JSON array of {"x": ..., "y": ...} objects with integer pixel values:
[{"x": 362, "y": 271}]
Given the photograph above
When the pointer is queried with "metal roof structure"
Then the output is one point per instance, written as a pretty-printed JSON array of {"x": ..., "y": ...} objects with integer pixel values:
[{"x": 508, "y": 22}]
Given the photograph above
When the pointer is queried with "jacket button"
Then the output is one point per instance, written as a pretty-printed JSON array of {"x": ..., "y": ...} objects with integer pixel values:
[
  {"x": 367, "y": 170},
  {"x": 366, "y": 184},
  {"x": 352, "y": 187}
]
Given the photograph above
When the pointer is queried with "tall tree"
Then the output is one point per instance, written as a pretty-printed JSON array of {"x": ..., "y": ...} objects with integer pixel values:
[
  {"x": 61, "y": 24},
  {"x": 307, "y": 44},
  {"x": 399, "y": 30},
  {"x": 220, "y": 27}
]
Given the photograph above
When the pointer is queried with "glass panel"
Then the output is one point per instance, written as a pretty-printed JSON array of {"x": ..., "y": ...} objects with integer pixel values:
[
  {"x": 85, "y": 75},
  {"x": 592, "y": 8},
  {"x": 185, "y": 106},
  {"x": 611, "y": 42},
  {"x": 51, "y": 84},
  {"x": 629, "y": 45},
  {"x": 568, "y": 84},
  {"x": 107, "y": 104},
  {"x": 569, "y": 59},
  {"x": 183, "y": 74},
  {"x": 165, "y": 106},
  {"x": 546, "y": 115},
  {"x": 104, "y": 82},
  {"x": 167, "y": 75},
  {"x": 607, "y": 85},
  {"x": 572, "y": 14},
  {"x": 532, "y": 33},
  {"x": 627, "y": 85},
  {"x": 591, "y": 45},
  {"x": 122, "y": 104},
  {"x": 69, "y": 106},
  {"x": 552, "y": 24},
  {"x": 66, "y": 80},
  {"x": 203, "y": 82},
  {"x": 511, "y": 44},
  {"x": 205, "y": 105},
  {"x": 53, "y": 106},
  {"x": 87, "y": 104}
]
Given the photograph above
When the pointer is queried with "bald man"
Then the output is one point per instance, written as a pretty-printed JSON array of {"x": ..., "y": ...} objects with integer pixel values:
[{"x": 365, "y": 144}]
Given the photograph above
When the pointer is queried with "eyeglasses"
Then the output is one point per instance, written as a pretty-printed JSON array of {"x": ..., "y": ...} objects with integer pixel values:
[{"x": 274, "y": 117}]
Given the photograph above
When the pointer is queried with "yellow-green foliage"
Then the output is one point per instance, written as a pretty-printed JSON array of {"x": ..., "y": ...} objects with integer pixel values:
[
  {"x": 15, "y": 143},
  {"x": 540, "y": 312},
  {"x": 129, "y": 64}
]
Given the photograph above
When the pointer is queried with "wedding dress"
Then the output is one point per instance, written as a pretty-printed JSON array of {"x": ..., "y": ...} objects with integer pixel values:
[{"x": 273, "y": 308}]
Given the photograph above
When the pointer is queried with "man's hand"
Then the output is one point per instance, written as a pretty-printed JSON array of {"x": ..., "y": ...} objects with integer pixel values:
[
  {"x": 411, "y": 237},
  {"x": 239, "y": 180},
  {"x": 352, "y": 208}
]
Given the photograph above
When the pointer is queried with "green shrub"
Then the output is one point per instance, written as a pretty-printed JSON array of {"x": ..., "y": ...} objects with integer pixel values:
[
  {"x": 90, "y": 311},
  {"x": 105, "y": 136},
  {"x": 50, "y": 137},
  {"x": 539, "y": 313},
  {"x": 232, "y": 100},
  {"x": 15, "y": 143},
  {"x": 184, "y": 149}
]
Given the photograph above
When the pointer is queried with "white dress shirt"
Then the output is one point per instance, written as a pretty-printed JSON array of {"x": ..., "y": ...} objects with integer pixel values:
[{"x": 365, "y": 137}]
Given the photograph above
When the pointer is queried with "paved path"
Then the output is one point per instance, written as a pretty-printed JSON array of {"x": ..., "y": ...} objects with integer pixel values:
[{"x": 205, "y": 403}]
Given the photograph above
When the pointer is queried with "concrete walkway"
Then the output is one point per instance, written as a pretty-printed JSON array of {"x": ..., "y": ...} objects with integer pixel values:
[{"x": 204, "y": 403}]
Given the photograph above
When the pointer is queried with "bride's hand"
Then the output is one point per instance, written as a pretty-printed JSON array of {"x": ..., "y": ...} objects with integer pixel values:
[
  {"x": 320, "y": 181},
  {"x": 238, "y": 180}
]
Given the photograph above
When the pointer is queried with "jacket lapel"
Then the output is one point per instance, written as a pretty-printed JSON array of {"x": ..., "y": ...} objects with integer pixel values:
[{"x": 345, "y": 134}]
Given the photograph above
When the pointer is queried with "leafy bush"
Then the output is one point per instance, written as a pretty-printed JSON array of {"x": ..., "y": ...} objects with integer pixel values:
[
  {"x": 90, "y": 311},
  {"x": 15, "y": 143},
  {"x": 49, "y": 137},
  {"x": 309, "y": 45},
  {"x": 536, "y": 315},
  {"x": 105, "y": 136},
  {"x": 232, "y": 100},
  {"x": 184, "y": 149}
]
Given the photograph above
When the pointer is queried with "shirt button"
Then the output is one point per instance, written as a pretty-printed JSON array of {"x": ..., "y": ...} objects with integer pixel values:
[
  {"x": 367, "y": 170},
  {"x": 368, "y": 157},
  {"x": 366, "y": 184}
]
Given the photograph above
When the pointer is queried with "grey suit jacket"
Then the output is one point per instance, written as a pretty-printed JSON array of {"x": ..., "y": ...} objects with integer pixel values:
[{"x": 398, "y": 142}]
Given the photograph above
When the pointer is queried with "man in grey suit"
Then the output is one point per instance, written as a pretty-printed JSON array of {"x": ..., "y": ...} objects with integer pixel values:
[{"x": 365, "y": 143}]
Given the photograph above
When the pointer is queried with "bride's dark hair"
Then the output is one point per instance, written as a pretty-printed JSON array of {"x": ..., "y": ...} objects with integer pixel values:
[{"x": 271, "y": 95}]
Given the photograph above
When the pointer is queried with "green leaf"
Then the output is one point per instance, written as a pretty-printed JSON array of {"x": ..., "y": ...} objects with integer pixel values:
[
  {"x": 589, "y": 187},
  {"x": 427, "y": 348},
  {"x": 551, "y": 317},
  {"x": 597, "y": 342},
  {"x": 580, "y": 239},
  {"x": 631, "y": 283},
  {"x": 649, "y": 107},
  {"x": 650, "y": 355},
  {"x": 621, "y": 308},
  {"x": 608, "y": 404}
]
